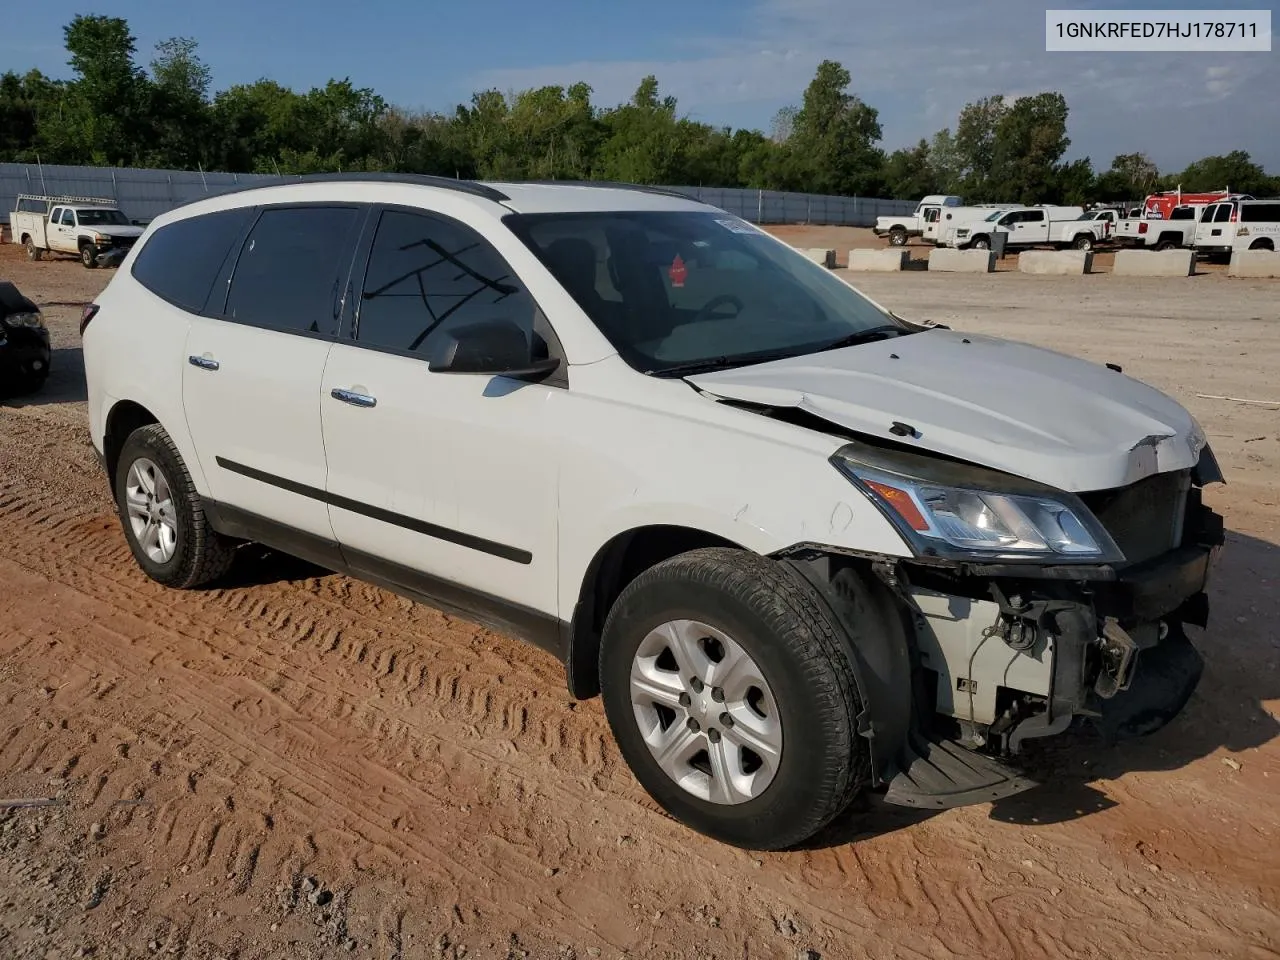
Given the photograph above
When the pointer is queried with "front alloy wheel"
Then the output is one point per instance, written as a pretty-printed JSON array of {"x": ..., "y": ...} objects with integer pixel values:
[
  {"x": 706, "y": 712},
  {"x": 729, "y": 687}
]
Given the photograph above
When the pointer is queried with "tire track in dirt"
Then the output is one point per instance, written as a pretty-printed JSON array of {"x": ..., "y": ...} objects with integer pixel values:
[{"x": 382, "y": 739}]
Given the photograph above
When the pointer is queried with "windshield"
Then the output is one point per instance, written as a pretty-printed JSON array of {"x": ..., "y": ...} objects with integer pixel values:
[
  {"x": 96, "y": 217},
  {"x": 673, "y": 289},
  {"x": 994, "y": 216}
]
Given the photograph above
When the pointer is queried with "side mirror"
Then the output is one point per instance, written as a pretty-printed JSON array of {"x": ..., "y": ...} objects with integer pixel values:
[{"x": 492, "y": 348}]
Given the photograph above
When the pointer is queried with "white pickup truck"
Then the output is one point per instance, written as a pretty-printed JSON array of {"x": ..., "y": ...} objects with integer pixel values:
[
  {"x": 900, "y": 228},
  {"x": 90, "y": 228},
  {"x": 1051, "y": 226},
  {"x": 1178, "y": 230}
]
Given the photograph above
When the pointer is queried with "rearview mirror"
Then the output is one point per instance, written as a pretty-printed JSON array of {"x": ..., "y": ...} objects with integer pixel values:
[{"x": 492, "y": 348}]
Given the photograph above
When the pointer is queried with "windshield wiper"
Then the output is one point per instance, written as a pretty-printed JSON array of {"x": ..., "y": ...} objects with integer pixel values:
[
  {"x": 709, "y": 364},
  {"x": 882, "y": 332}
]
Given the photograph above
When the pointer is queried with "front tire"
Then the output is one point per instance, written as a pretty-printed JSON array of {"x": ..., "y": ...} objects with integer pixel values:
[
  {"x": 730, "y": 692},
  {"x": 981, "y": 243},
  {"x": 89, "y": 256},
  {"x": 162, "y": 515},
  {"x": 1084, "y": 242}
]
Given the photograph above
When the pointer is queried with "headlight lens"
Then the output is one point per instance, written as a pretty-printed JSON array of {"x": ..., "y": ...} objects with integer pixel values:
[
  {"x": 945, "y": 520},
  {"x": 28, "y": 319}
]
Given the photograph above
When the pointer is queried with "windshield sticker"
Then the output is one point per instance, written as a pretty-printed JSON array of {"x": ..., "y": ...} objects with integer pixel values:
[
  {"x": 677, "y": 272},
  {"x": 737, "y": 226}
]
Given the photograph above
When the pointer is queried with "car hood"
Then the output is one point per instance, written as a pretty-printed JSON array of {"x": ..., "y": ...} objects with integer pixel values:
[
  {"x": 119, "y": 231},
  {"x": 1069, "y": 423}
]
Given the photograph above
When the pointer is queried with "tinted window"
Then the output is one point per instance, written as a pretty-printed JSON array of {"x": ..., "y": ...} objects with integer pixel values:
[
  {"x": 180, "y": 261},
  {"x": 427, "y": 275},
  {"x": 1183, "y": 213},
  {"x": 1032, "y": 216},
  {"x": 1259, "y": 212},
  {"x": 290, "y": 267},
  {"x": 1223, "y": 213}
]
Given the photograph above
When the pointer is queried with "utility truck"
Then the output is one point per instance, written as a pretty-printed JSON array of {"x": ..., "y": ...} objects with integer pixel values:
[
  {"x": 90, "y": 228},
  {"x": 1170, "y": 219},
  {"x": 901, "y": 228}
]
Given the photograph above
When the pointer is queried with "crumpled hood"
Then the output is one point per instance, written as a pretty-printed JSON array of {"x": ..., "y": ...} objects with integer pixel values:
[
  {"x": 119, "y": 231},
  {"x": 1062, "y": 421}
]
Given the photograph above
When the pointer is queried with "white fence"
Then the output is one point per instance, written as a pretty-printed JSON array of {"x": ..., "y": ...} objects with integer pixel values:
[{"x": 145, "y": 194}]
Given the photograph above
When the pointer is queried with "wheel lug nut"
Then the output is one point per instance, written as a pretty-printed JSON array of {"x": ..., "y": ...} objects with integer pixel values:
[
  {"x": 726, "y": 719},
  {"x": 685, "y": 700},
  {"x": 713, "y": 735},
  {"x": 696, "y": 684},
  {"x": 692, "y": 725},
  {"x": 717, "y": 694}
]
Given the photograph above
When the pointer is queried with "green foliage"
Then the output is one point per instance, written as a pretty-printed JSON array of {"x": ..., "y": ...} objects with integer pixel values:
[{"x": 114, "y": 113}]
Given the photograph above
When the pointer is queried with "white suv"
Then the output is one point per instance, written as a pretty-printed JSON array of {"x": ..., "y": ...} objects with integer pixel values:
[{"x": 803, "y": 547}]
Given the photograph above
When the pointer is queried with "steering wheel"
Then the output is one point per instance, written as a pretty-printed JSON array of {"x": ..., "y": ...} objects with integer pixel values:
[{"x": 710, "y": 307}]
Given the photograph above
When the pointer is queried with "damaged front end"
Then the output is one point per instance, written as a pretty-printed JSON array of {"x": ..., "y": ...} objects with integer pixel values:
[{"x": 1024, "y": 610}]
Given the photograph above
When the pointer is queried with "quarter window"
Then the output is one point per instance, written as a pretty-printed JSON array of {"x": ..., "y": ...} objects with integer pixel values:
[
  {"x": 180, "y": 261},
  {"x": 427, "y": 275},
  {"x": 291, "y": 268}
]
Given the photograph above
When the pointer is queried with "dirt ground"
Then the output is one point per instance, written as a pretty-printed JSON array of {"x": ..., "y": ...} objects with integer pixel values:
[{"x": 297, "y": 765}]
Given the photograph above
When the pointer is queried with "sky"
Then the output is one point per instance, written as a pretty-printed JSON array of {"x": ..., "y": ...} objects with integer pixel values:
[{"x": 729, "y": 62}]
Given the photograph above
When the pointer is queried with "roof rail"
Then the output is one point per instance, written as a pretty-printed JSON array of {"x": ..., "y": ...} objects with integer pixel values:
[
  {"x": 446, "y": 183},
  {"x": 610, "y": 184},
  {"x": 52, "y": 199}
]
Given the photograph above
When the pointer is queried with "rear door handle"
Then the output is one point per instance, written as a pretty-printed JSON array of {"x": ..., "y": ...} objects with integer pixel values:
[
  {"x": 204, "y": 363},
  {"x": 353, "y": 398}
]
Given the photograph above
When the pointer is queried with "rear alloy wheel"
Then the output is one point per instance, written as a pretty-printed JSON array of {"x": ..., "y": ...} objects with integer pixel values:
[
  {"x": 89, "y": 255},
  {"x": 898, "y": 237},
  {"x": 1165, "y": 245},
  {"x": 730, "y": 692},
  {"x": 162, "y": 516},
  {"x": 33, "y": 252}
]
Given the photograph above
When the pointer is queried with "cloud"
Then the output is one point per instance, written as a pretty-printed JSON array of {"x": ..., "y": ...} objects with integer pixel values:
[{"x": 920, "y": 70}]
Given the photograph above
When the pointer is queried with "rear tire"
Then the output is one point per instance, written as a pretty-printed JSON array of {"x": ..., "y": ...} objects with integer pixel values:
[
  {"x": 897, "y": 237},
  {"x": 34, "y": 253},
  {"x": 1261, "y": 244},
  {"x": 162, "y": 515},
  {"x": 1165, "y": 245},
  {"x": 792, "y": 759}
]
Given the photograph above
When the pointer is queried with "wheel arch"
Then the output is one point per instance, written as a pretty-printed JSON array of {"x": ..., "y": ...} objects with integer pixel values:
[
  {"x": 620, "y": 560},
  {"x": 124, "y": 418},
  {"x": 1262, "y": 243}
]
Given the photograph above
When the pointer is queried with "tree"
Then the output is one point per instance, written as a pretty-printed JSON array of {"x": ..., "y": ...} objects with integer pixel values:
[
  {"x": 833, "y": 143},
  {"x": 910, "y": 174},
  {"x": 1030, "y": 139},
  {"x": 975, "y": 146},
  {"x": 179, "y": 106},
  {"x": 1131, "y": 177},
  {"x": 1235, "y": 171},
  {"x": 643, "y": 138}
]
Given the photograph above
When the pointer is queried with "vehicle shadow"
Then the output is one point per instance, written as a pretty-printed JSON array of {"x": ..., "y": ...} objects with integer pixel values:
[
  {"x": 258, "y": 566},
  {"x": 1227, "y": 712},
  {"x": 65, "y": 384}
]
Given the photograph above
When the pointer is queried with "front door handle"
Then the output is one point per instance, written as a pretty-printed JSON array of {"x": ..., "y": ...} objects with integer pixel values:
[
  {"x": 204, "y": 363},
  {"x": 353, "y": 398}
]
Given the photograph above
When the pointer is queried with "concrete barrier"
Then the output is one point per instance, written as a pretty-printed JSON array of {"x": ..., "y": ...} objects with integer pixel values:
[
  {"x": 962, "y": 261},
  {"x": 1154, "y": 263},
  {"x": 1056, "y": 262},
  {"x": 878, "y": 261},
  {"x": 1254, "y": 263},
  {"x": 825, "y": 257}
]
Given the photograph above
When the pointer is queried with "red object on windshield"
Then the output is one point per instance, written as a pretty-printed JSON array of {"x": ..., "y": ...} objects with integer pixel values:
[{"x": 678, "y": 272}]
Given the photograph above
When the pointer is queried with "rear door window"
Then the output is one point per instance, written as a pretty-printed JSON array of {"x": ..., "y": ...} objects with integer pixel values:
[
  {"x": 180, "y": 261},
  {"x": 292, "y": 268},
  {"x": 1259, "y": 212}
]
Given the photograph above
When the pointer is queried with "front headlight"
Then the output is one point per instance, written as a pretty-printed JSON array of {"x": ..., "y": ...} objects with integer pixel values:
[
  {"x": 948, "y": 519},
  {"x": 27, "y": 319}
]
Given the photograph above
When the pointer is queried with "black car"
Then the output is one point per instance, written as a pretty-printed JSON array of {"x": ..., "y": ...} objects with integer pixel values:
[{"x": 24, "y": 344}]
